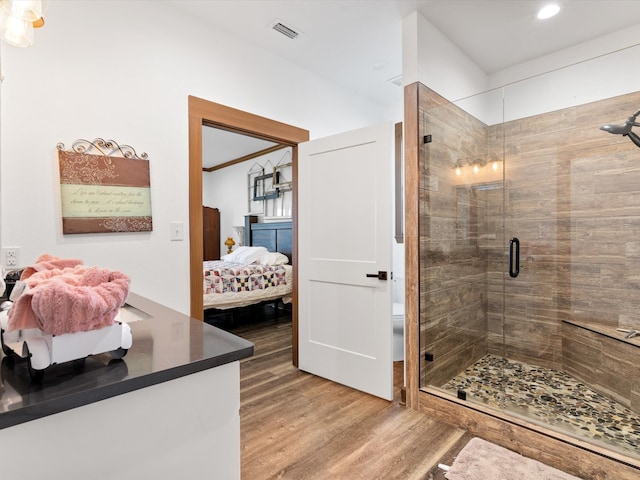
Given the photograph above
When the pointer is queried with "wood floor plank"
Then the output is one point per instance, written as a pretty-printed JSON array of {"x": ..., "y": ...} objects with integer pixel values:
[
  {"x": 295, "y": 425},
  {"x": 298, "y": 426}
]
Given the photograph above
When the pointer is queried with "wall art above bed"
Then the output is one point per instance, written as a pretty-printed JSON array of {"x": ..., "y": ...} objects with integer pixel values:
[
  {"x": 104, "y": 188},
  {"x": 270, "y": 188}
]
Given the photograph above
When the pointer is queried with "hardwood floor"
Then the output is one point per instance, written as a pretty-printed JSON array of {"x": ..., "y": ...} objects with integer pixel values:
[{"x": 298, "y": 426}]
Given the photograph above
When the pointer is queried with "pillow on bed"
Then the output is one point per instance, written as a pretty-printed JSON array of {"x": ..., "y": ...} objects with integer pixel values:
[
  {"x": 273, "y": 258},
  {"x": 245, "y": 255}
]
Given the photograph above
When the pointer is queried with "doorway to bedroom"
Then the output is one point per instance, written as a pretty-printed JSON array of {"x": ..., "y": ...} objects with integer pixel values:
[{"x": 268, "y": 138}]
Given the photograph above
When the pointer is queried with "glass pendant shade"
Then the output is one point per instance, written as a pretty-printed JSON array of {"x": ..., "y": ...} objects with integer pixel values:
[
  {"x": 16, "y": 31},
  {"x": 29, "y": 10}
]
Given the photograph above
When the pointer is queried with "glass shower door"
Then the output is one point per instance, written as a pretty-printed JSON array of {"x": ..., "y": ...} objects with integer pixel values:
[{"x": 462, "y": 261}]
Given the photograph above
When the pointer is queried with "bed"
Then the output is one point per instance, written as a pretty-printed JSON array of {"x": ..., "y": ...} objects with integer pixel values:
[{"x": 257, "y": 272}]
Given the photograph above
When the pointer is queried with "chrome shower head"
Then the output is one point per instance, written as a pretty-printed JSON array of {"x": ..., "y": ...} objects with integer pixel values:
[
  {"x": 617, "y": 129},
  {"x": 625, "y": 129}
]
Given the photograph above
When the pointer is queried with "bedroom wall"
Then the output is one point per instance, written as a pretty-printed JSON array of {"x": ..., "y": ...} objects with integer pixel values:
[
  {"x": 226, "y": 189},
  {"x": 123, "y": 71}
]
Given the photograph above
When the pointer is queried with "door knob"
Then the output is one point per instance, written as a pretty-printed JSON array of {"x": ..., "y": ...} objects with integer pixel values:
[{"x": 380, "y": 275}]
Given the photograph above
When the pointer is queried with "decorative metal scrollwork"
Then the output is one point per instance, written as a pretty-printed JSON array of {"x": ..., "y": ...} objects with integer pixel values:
[{"x": 104, "y": 147}]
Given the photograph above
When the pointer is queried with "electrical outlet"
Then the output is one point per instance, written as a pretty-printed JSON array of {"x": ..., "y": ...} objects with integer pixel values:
[{"x": 11, "y": 257}]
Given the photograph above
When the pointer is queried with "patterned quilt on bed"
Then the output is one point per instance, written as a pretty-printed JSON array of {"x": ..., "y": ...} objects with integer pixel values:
[{"x": 223, "y": 277}]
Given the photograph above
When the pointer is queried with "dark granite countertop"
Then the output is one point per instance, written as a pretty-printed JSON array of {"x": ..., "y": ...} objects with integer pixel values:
[{"x": 166, "y": 345}]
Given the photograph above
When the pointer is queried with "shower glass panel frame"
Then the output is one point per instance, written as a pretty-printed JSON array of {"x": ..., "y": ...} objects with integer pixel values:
[{"x": 504, "y": 176}]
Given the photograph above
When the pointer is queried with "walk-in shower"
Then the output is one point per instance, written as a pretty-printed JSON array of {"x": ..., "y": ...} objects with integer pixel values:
[{"x": 529, "y": 222}]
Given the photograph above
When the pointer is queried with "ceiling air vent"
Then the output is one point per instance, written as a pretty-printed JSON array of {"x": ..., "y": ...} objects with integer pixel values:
[{"x": 285, "y": 30}]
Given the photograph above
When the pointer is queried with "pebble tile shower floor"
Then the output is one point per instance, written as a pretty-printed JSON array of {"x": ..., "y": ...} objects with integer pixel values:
[{"x": 552, "y": 396}]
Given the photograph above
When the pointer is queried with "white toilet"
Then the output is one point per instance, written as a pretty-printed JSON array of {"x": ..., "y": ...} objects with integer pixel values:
[
  {"x": 397, "y": 296},
  {"x": 398, "y": 332}
]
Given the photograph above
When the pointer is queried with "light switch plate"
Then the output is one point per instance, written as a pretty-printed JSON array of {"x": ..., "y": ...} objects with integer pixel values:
[{"x": 177, "y": 231}]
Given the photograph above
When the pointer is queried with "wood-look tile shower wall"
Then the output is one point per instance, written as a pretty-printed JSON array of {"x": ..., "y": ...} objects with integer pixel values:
[
  {"x": 453, "y": 257},
  {"x": 572, "y": 197},
  {"x": 573, "y": 200}
]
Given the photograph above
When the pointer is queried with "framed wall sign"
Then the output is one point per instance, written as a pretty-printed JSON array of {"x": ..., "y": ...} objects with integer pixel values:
[{"x": 104, "y": 188}]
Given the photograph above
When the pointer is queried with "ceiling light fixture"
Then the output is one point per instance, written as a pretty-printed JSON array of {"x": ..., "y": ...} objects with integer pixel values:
[
  {"x": 548, "y": 11},
  {"x": 18, "y": 18}
]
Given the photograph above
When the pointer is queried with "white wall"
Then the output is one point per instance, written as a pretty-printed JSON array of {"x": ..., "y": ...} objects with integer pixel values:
[
  {"x": 578, "y": 53},
  {"x": 595, "y": 70},
  {"x": 432, "y": 59},
  {"x": 601, "y": 77},
  {"x": 123, "y": 71}
]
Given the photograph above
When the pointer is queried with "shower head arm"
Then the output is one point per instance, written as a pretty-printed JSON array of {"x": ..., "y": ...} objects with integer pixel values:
[
  {"x": 632, "y": 119},
  {"x": 634, "y": 138}
]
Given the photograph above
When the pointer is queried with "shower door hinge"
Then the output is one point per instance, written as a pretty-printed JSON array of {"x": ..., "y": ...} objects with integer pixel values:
[
  {"x": 428, "y": 357},
  {"x": 427, "y": 139}
]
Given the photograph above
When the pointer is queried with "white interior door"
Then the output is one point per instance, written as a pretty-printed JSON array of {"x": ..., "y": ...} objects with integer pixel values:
[{"x": 344, "y": 236}]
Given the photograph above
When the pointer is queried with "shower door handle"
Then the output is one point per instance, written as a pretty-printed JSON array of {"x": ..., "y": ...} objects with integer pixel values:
[{"x": 514, "y": 257}]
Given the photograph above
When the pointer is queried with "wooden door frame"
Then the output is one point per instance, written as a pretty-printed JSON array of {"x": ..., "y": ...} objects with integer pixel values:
[{"x": 205, "y": 113}]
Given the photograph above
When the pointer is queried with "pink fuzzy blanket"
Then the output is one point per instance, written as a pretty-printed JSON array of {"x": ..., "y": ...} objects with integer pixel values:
[
  {"x": 69, "y": 299},
  {"x": 49, "y": 262}
]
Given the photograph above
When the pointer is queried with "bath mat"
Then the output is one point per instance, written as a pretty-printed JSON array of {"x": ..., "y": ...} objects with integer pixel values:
[{"x": 482, "y": 460}]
